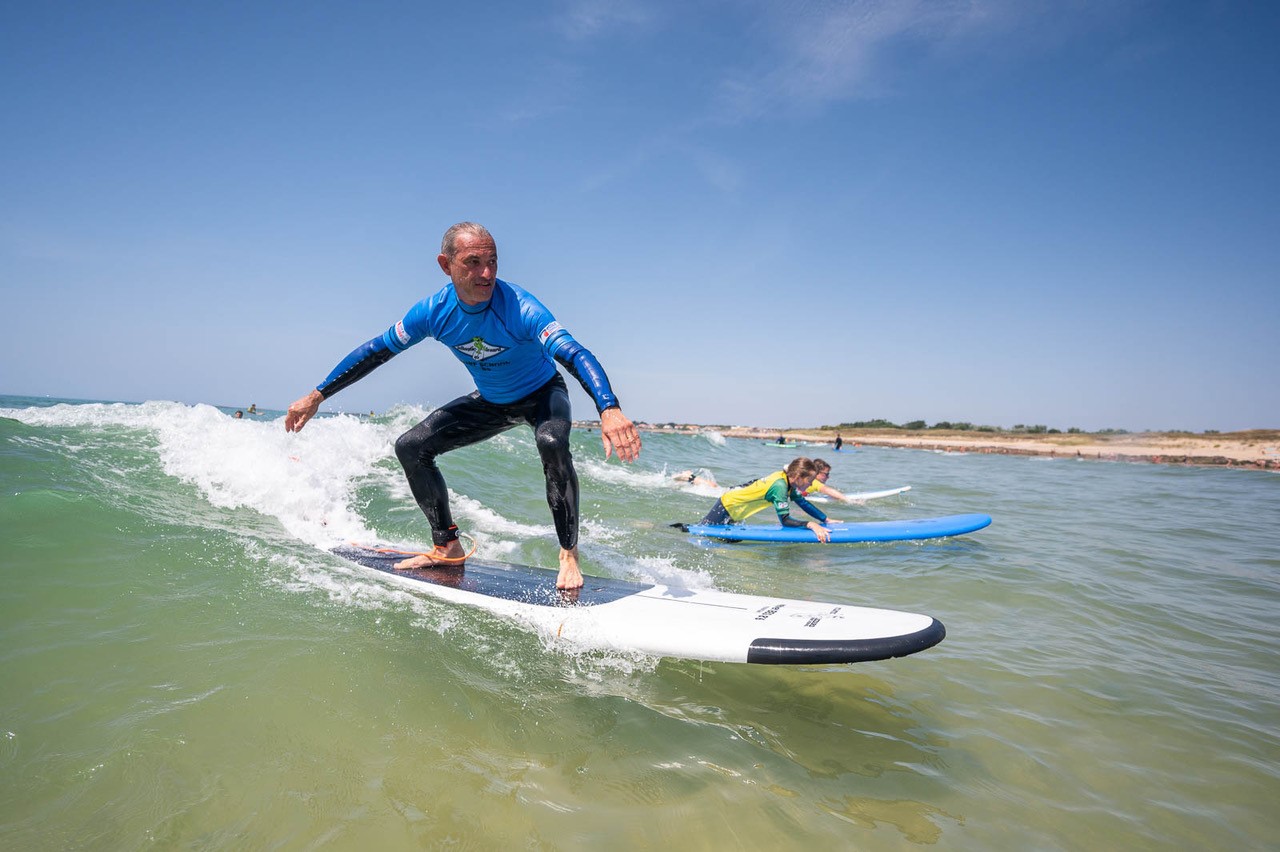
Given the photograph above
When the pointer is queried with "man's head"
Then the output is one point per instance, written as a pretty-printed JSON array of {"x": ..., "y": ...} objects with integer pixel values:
[{"x": 469, "y": 256}]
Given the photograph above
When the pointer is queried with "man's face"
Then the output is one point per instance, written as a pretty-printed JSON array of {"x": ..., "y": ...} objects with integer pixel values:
[{"x": 473, "y": 268}]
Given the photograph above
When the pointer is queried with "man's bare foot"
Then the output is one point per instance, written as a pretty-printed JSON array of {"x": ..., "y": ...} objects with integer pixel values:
[
  {"x": 450, "y": 556},
  {"x": 570, "y": 577}
]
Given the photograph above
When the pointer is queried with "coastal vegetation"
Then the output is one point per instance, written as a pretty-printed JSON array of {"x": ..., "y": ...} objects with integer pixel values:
[
  {"x": 1258, "y": 448},
  {"x": 948, "y": 426}
]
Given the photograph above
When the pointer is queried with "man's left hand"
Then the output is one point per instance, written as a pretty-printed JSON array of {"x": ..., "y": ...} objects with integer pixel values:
[{"x": 619, "y": 435}]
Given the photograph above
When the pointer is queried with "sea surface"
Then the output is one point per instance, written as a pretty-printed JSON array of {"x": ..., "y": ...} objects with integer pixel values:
[{"x": 183, "y": 665}]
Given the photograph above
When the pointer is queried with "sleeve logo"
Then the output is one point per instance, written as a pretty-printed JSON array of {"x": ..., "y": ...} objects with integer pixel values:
[
  {"x": 551, "y": 329},
  {"x": 401, "y": 334}
]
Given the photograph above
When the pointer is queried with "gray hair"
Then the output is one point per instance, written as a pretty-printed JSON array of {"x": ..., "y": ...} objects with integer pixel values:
[{"x": 449, "y": 245}]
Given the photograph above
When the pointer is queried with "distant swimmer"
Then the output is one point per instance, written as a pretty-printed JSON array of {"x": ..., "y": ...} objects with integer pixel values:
[
  {"x": 779, "y": 489},
  {"x": 819, "y": 486},
  {"x": 511, "y": 344},
  {"x": 238, "y": 415}
]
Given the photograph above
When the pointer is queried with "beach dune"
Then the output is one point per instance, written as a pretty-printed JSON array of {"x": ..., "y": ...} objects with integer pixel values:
[{"x": 1259, "y": 448}]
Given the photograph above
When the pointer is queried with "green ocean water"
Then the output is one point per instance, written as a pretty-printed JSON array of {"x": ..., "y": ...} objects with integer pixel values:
[{"x": 183, "y": 665}]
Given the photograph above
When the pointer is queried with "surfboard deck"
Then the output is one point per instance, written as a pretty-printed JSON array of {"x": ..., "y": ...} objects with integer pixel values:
[
  {"x": 786, "y": 446},
  {"x": 665, "y": 621},
  {"x": 911, "y": 530}
]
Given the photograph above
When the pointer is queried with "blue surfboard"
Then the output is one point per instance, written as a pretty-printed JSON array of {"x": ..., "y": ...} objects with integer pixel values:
[{"x": 912, "y": 530}]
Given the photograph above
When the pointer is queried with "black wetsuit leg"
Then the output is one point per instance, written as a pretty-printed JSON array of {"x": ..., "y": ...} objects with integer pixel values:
[
  {"x": 718, "y": 516},
  {"x": 471, "y": 419},
  {"x": 552, "y": 420},
  {"x": 467, "y": 420}
]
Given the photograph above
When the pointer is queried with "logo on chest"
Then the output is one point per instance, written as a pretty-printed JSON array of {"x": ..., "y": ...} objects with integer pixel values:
[{"x": 478, "y": 350}]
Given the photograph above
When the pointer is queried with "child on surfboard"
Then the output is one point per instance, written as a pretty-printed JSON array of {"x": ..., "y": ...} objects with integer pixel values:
[
  {"x": 778, "y": 489},
  {"x": 820, "y": 486}
]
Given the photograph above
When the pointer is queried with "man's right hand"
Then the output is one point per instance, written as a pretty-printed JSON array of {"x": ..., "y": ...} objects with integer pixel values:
[{"x": 302, "y": 411}]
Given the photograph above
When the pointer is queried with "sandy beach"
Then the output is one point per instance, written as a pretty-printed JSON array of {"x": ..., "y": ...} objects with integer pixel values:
[{"x": 1259, "y": 448}]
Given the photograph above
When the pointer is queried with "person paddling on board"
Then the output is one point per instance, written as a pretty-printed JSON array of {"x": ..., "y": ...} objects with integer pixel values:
[
  {"x": 779, "y": 489},
  {"x": 511, "y": 344},
  {"x": 822, "y": 474}
]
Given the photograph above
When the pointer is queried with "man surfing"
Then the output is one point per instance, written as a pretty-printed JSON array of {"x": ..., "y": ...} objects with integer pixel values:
[{"x": 511, "y": 344}]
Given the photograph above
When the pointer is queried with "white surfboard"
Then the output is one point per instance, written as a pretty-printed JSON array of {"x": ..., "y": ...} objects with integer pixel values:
[
  {"x": 663, "y": 621},
  {"x": 876, "y": 495},
  {"x": 861, "y": 498}
]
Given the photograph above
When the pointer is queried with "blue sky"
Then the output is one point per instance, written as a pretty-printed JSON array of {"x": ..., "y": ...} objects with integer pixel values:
[{"x": 765, "y": 213}]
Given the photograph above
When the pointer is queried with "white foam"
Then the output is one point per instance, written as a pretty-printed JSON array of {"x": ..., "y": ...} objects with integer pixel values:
[
  {"x": 305, "y": 480},
  {"x": 621, "y": 474},
  {"x": 662, "y": 569},
  {"x": 650, "y": 480},
  {"x": 487, "y": 520}
]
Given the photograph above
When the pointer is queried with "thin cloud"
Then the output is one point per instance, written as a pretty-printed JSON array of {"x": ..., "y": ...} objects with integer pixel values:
[
  {"x": 815, "y": 53},
  {"x": 581, "y": 20},
  {"x": 551, "y": 88}
]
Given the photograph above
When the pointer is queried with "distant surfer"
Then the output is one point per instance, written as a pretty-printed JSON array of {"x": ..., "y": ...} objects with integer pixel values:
[
  {"x": 781, "y": 440},
  {"x": 779, "y": 490},
  {"x": 253, "y": 408},
  {"x": 511, "y": 344},
  {"x": 839, "y": 442}
]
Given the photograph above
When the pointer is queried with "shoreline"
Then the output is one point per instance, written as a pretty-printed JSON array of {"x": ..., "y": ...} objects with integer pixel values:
[{"x": 1257, "y": 449}]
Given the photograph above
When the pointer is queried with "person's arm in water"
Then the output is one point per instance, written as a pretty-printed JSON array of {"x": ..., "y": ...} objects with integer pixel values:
[{"x": 823, "y": 488}]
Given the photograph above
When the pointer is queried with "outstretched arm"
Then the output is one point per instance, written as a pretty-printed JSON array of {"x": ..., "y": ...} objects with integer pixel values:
[
  {"x": 812, "y": 510},
  {"x": 618, "y": 434},
  {"x": 784, "y": 518},
  {"x": 823, "y": 488},
  {"x": 584, "y": 367},
  {"x": 362, "y": 361},
  {"x": 302, "y": 411}
]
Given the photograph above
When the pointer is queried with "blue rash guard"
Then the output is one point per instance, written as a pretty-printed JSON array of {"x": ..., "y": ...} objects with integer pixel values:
[{"x": 510, "y": 344}]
